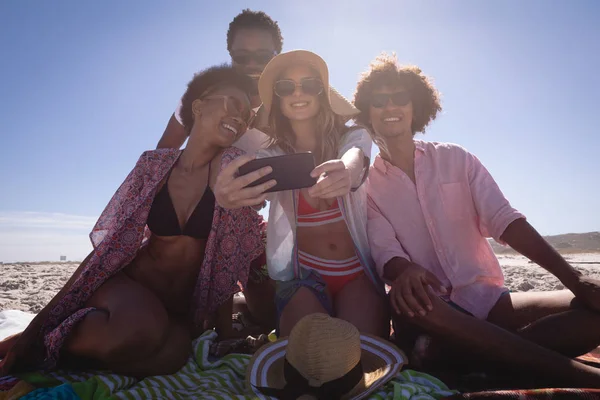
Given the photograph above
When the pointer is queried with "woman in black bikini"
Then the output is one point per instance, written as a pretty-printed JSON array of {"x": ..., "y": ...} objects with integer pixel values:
[{"x": 134, "y": 305}]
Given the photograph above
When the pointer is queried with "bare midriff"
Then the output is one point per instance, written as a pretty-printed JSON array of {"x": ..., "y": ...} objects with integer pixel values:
[
  {"x": 331, "y": 241},
  {"x": 169, "y": 267}
]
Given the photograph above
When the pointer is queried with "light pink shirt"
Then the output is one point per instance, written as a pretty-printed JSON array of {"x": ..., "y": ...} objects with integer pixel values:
[{"x": 442, "y": 222}]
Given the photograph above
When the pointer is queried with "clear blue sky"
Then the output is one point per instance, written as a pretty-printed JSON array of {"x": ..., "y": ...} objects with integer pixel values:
[{"x": 85, "y": 87}]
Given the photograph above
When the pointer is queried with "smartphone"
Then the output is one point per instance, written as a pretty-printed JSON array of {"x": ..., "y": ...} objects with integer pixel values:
[{"x": 291, "y": 171}]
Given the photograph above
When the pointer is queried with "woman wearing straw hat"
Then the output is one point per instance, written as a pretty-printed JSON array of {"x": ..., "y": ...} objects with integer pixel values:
[{"x": 319, "y": 252}]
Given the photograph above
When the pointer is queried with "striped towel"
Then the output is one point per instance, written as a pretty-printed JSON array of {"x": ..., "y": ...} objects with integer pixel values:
[{"x": 204, "y": 378}]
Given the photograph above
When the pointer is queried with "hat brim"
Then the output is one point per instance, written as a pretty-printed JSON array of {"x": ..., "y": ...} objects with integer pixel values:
[
  {"x": 339, "y": 104},
  {"x": 381, "y": 361}
]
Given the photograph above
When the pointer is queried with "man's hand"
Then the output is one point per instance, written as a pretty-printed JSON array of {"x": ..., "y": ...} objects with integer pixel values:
[
  {"x": 411, "y": 290},
  {"x": 587, "y": 290}
]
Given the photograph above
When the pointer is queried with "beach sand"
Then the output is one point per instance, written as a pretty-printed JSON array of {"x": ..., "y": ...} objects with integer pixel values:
[{"x": 30, "y": 286}]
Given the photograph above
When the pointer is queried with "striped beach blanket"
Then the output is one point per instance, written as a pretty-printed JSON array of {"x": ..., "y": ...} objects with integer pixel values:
[{"x": 203, "y": 377}]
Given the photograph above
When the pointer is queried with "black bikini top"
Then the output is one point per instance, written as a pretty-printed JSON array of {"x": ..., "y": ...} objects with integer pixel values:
[{"x": 162, "y": 219}]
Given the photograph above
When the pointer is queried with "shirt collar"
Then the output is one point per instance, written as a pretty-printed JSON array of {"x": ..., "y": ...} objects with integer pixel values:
[
  {"x": 384, "y": 166},
  {"x": 420, "y": 145},
  {"x": 380, "y": 164}
]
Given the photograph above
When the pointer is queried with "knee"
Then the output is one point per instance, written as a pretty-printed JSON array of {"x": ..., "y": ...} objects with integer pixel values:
[
  {"x": 141, "y": 335},
  {"x": 178, "y": 345},
  {"x": 436, "y": 319}
]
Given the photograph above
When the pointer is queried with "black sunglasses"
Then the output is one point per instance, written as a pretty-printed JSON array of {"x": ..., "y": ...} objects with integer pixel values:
[
  {"x": 287, "y": 87},
  {"x": 260, "y": 58},
  {"x": 380, "y": 100}
]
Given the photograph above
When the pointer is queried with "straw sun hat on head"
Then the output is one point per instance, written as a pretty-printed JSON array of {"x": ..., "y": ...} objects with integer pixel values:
[
  {"x": 272, "y": 72},
  {"x": 323, "y": 358}
]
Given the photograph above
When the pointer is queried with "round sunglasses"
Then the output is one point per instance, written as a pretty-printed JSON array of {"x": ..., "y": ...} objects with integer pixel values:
[
  {"x": 380, "y": 100},
  {"x": 247, "y": 115},
  {"x": 309, "y": 86}
]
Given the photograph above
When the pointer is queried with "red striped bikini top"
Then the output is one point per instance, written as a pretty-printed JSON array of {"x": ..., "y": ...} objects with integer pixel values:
[{"x": 309, "y": 216}]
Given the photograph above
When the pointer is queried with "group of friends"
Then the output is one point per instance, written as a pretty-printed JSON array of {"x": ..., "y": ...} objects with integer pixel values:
[{"x": 400, "y": 239}]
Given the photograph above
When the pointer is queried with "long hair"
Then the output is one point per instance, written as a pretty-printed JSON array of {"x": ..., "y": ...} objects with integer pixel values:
[{"x": 330, "y": 129}]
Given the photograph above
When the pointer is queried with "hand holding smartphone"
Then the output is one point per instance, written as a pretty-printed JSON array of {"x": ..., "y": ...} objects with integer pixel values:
[{"x": 290, "y": 171}]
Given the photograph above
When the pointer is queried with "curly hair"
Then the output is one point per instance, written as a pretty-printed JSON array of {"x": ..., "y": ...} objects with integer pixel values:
[
  {"x": 386, "y": 71},
  {"x": 207, "y": 81},
  {"x": 249, "y": 19}
]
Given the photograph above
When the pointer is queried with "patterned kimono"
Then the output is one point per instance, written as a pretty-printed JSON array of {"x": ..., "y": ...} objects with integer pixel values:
[{"x": 234, "y": 242}]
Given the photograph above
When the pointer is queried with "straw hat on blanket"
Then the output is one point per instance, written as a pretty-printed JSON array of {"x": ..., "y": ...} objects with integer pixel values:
[{"x": 323, "y": 358}]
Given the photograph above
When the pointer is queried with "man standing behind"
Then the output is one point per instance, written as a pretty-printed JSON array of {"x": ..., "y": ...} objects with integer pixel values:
[{"x": 253, "y": 39}]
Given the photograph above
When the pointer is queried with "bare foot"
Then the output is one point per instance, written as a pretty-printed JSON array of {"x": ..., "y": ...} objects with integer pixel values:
[
  {"x": 421, "y": 352},
  {"x": 7, "y": 343}
]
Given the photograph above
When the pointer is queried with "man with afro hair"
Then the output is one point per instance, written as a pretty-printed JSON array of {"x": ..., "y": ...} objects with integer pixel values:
[{"x": 431, "y": 208}]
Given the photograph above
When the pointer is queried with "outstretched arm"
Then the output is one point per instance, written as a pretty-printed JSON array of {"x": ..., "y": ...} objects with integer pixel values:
[{"x": 523, "y": 237}]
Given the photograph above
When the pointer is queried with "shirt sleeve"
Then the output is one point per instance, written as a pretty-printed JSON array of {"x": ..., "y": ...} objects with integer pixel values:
[
  {"x": 494, "y": 210},
  {"x": 382, "y": 237},
  {"x": 358, "y": 138}
]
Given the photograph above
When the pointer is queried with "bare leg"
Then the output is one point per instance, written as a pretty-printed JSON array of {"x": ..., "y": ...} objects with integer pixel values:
[
  {"x": 259, "y": 293},
  {"x": 131, "y": 333},
  {"x": 261, "y": 304},
  {"x": 7, "y": 343},
  {"x": 303, "y": 303},
  {"x": 494, "y": 343},
  {"x": 168, "y": 358},
  {"x": 551, "y": 319},
  {"x": 514, "y": 311},
  {"x": 359, "y": 303}
]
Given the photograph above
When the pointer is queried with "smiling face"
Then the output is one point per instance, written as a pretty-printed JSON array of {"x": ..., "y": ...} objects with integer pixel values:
[
  {"x": 221, "y": 116},
  {"x": 251, "y": 50},
  {"x": 304, "y": 102},
  {"x": 391, "y": 112}
]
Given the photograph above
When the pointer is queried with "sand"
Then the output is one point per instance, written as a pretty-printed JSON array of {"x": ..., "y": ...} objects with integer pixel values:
[{"x": 30, "y": 286}]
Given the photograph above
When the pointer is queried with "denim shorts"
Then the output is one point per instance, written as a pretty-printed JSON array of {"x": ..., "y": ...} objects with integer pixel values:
[{"x": 311, "y": 280}]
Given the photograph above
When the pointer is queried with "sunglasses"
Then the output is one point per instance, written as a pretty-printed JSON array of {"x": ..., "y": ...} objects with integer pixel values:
[
  {"x": 247, "y": 114},
  {"x": 260, "y": 58},
  {"x": 309, "y": 86},
  {"x": 380, "y": 100}
]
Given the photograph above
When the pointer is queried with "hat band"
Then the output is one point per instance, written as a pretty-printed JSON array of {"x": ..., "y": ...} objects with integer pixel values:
[{"x": 296, "y": 385}]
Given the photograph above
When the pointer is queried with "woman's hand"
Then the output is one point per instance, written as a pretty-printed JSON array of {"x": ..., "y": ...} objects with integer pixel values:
[
  {"x": 231, "y": 190},
  {"x": 334, "y": 180}
]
